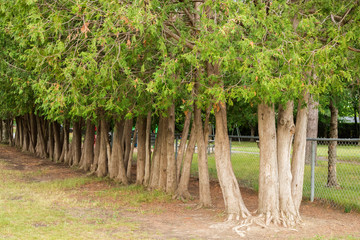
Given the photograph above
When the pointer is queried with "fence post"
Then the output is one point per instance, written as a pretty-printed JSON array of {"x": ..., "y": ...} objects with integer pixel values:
[
  {"x": 176, "y": 146},
  {"x": 313, "y": 155}
]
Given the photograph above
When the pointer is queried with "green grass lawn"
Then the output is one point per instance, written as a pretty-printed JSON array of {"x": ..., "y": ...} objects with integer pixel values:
[
  {"x": 62, "y": 208},
  {"x": 344, "y": 152},
  {"x": 245, "y": 160}
]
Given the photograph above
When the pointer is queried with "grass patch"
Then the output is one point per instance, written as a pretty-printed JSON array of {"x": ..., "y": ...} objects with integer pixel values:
[
  {"x": 245, "y": 162},
  {"x": 134, "y": 195},
  {"x": 56, "y": 209}
]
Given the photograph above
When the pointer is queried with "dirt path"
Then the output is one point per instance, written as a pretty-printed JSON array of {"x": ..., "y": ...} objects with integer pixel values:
[{"x": 178, "y": 220}]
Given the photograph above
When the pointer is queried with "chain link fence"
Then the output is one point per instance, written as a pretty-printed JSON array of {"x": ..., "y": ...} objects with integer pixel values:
[
  {"x": 334, "y": 181},
  {"x": 345, "y": 193}
]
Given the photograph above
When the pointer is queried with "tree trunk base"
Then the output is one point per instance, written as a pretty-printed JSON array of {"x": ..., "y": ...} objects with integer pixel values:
[{"x": 182, "y": 195}]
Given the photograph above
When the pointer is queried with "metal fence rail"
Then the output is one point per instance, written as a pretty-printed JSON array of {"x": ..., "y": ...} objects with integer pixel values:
[{"x": 245, "y": 156}]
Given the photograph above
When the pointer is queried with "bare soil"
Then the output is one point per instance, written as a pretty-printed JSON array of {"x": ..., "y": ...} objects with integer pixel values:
[{"x": 182, "y": 220}]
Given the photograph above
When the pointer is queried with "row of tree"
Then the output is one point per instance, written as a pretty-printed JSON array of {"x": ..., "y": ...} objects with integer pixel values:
[{"x": 118, "y": 64}]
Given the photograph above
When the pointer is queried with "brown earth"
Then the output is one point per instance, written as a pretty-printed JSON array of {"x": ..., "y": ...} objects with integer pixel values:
[{"x": 179, "y": 220}]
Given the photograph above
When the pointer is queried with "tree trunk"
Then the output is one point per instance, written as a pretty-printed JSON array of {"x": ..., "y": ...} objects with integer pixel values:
[
  {"x": 65, "y": 146},
  {"x": 126, "y": 140},
  {"x": 183, "y": 189},
  {"x": 252, "y": 133},
  {"x": 268, "y": 175},
  {"x": 163, "y": 154},
  {"x": 332, "y": 180},
  {"x": 87, "y": 156},
  {"x": 17, "y": 137},
  {"x": 312, "y": 128},
  {"x": 33, "y": 133},
  {"x": 171, "y": 179},
  {"x": 130, "y": 158},
  {"x": 116, "y": 153},
  {"x": 155, "y": 164},
  {"x": 147, "y": 150},
  {"x": 204, "y": 184},
  {"x": 76, "y": 142},
  {"x": 299, "y": 148},
  {"x": 102, "y": 168},
  {"x": 41, "y": 147},
  {"x": 25, "y": 132},
  {"x": 116, "y": 165},
  {"x": 207, "y": 128},
  {"x": 57, "y": 142},
  {"x": 21, "y": 136},
  {"x": 285, "y": 132},
  {"x": 10, "y": 128},
  {"x": 97, "y": 147},
  {"x": 50, "y": 143},
  {"x": 234, "y": 203},
  {"x": 141, "y": 150},
  {"x": 1, "y": 130},
  {"x": 183, "y": 141}
]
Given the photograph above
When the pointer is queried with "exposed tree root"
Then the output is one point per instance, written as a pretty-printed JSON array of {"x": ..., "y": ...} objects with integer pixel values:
[
  {"x": 289, "y": 219},
  {"x": 202, "y": 205},
  {"x": 264, "y": 221},
  {"x": 182, "y": 195}
]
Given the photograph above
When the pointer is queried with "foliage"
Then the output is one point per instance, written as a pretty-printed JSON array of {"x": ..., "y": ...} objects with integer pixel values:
[{"x": 70, "y": 59}]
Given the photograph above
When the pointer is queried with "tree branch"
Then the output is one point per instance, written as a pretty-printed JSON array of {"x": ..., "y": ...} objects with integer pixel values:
[
  {"x": 13, "y": 66},
  {"x": 354, "y": 49},
  {"x": 177, "y": 38},
  {"x": 192, "y": 20}
]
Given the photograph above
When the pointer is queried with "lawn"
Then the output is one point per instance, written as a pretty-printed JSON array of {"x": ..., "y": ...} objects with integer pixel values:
[
  {"x": 55, "y": 209},
  {"x": 245, "y": 160}
]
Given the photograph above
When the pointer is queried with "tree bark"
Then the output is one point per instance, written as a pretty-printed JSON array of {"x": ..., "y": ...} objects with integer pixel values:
[
  {"x": 183, "y": 142},
  {"x": 50, "y": 143},
  {"x": 21, "y": 136},
  {"x": 234, "y": 203},
  {"x": 252, "y": 133},
  {"x": 65, "y": 146},
  {"x": 10, "y": 128},
  {"x": 285, "y": 132},
  {"x": 141, "y": 150},
  {"x": 183, "y": 188},
  {"x": 268, "y": 204},
  {"x": 332, "y": 179},
  {"x": 126, "y": 140},
  {"x": 17, "y": 137},
  {"x": 87, "y": 156},
  {"x": 1, "y": 129},
  {"x": 155, "y": 165},
  {"x": 25, "y": 132},
  {"x": 97, "y": 147},
  {"x": 312, "y": 128},
  {"x": 299, "y": 148},
  {"x": 33, "y": 133},
  {"x": 116, "y": 153},
  {"x": 41, "y": 147},
  {"x": 147, "y": 150},
  {"x": 171, "y": 179},
  {"x": 207, "y": 128},
  {"x": 204, "y": 182},
  {"x": 163, "y": 154},
  {"x": 57, "y": 142},
  {"x": 76, "y": 143},
  {"x": 102, "y": 168},
  {"x": 130, "y": 158},
  {"x": 116, "y": 165}
]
